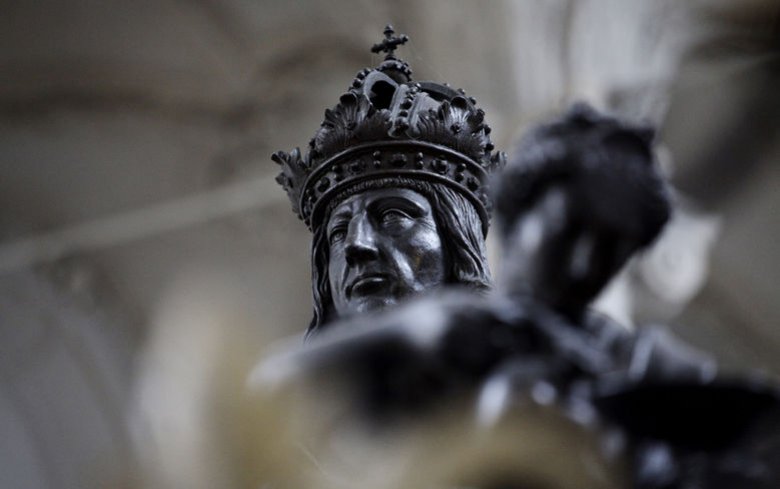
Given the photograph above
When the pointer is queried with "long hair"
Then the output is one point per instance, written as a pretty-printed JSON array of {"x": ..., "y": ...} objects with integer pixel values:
[{"x": 457, "y": 221}]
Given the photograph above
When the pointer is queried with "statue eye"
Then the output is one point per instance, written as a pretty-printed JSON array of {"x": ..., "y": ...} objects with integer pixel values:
[
  {"x": 394, "y": 216},
  {"x": 337, "y": 234}
]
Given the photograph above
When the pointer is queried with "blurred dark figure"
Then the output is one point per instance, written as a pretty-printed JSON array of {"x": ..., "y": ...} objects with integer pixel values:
[{"x": 582, "y": 195}]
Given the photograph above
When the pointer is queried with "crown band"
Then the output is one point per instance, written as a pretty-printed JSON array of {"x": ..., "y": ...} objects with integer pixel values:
[
  {"x": 417, "y": 160},
  {"x": 387, "y": 126}
]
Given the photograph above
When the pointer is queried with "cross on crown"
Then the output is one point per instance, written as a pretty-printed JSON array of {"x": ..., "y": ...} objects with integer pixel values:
[{"x": 390, "y": 42}]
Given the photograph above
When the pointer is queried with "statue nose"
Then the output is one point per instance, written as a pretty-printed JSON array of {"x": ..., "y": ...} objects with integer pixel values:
[{"x": 360, "y": 241}]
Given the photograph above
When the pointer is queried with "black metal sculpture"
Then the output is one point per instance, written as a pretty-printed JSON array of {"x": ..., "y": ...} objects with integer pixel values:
[
  {"x": 394, "y": 188},
  {"x": 581, "y": 197},
  {"x": 389, "y": 133}
]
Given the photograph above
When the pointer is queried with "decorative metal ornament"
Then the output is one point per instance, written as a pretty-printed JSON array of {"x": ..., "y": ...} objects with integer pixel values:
[{"x": 387, "y": 126}]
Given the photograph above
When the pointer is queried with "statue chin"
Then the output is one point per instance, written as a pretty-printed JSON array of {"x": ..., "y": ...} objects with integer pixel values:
[{"x": 369, "y": 303}]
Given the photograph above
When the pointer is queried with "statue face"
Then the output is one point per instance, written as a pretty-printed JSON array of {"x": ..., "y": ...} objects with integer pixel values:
[{"x": 384, "y": 247}]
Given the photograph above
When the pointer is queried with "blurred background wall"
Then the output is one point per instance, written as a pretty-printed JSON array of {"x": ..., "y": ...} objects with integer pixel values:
[{"x": 134, "y": 153}]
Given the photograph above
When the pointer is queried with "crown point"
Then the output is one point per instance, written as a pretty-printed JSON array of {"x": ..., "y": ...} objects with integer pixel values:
[
  {"x": 416, "y": 116},
  {"x": 390, "y": 42}
]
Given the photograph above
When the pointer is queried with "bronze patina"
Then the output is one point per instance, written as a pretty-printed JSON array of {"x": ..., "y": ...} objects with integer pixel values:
[
  {"x": 412, "y": 141},
  {"x": 394, "y": 188}
]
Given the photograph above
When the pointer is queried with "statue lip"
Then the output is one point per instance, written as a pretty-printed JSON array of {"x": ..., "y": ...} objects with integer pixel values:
[{"x": 367, "y": 283}]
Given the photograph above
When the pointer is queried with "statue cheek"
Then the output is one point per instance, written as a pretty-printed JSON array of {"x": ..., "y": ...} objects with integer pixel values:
[
  {"x": 428, "y": 259},
  {"x": 336, "y": 268}
]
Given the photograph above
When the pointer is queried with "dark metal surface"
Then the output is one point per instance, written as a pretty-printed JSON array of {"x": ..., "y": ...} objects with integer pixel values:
[
  {"x": 394, "y": 188},
  {"x": 384, "y": 247},
  {"x": 403, "y": 138},
  {"x": 386, "y": 125}
]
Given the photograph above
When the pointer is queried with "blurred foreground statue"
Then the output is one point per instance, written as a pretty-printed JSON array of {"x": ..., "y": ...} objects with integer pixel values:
[{"x": 524, "y": 388}]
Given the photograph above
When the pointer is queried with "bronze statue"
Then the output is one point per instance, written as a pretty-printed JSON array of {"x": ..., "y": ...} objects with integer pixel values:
[
  {"x": 581, "y": 196},
  {"x": 393, "y": 187}
]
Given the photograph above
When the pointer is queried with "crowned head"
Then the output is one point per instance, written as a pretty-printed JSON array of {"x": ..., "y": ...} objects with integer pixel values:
[{"x": 392, "y": 135}]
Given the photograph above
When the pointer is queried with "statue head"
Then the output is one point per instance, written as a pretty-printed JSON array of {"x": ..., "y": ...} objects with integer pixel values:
[
  {"x": 579, "y": 197},
  {"x": 394, "y": 189}
]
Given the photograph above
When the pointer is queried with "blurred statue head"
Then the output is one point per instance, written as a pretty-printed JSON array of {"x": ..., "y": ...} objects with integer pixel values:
[
  {"x": 394, "y": 188},
  {"x": 580, "y": 196}
]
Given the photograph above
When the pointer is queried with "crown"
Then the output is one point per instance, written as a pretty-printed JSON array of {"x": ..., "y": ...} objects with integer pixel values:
[{"x": 388, "y": 126}]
